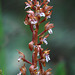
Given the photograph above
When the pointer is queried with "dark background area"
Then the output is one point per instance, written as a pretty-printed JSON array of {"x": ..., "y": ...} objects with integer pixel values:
[{"x": 15, "y": 35}]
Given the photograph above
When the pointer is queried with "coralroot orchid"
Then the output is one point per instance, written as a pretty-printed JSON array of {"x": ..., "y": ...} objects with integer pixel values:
[{"x": 38, "y": 9}]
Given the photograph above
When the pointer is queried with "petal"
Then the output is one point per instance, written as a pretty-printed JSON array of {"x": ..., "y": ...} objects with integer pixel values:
[
  {"x": 26, "y": 22},
  {"x": 48, "y": 26},
  {"x": 21, "y": 53},
  {"x": 38, "y": 54},
  {"x": 27, "y": 7},
  {"x": 37, "y": 4},
  {"x": 31, "y": 45},
  {"x": 36, "y": 68},
  {"x": 30, "y": 12},
  {"x": 50, "y": 31},
  {"x": 23, "y": 70},
  {"x": 48, "y": 0},
  {"x": 19, "y": 73},
  {"x": 47, "y": 59},
  {"x": 33, "y": 22},
  {"x": 48, "y": 16},
  {"x": 31, "y": 68},
  {"x": 47, "y": 71},
  {"x": 19, "y": 58},
  {"x": 34, "y": 26},
  {"x": 44, "y": 40},
  {"x": 42, "y": 14}
]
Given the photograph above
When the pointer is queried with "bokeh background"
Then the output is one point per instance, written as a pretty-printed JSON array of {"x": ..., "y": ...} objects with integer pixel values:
[{"x": 15, "y": 35}]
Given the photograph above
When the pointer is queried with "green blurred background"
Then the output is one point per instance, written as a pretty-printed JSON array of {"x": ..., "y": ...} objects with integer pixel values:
[{"x": 15, "y": 35}]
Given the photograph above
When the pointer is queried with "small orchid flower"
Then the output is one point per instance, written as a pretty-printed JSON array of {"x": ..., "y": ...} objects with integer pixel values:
[
  {"x": 48, "y": 16},
  {"x": 33, "y": 20},
  {"x": 22, "y": 70},
  {"x": 21, "y": 57},
  {"x": 48, "y": 26},
  {"x": 32, "y": 69},
  {"x": 46, "y": 55},
  {"x": 38, "y": 73},
  {"x": 29, "y": 4},
  {"x": 26, "y": 22},
  {"x": 36, "y": 68},
  {"x": 43, "y": 62},
  {"x": 47, "y": 72},
  {"x": 40, "y": 12}
]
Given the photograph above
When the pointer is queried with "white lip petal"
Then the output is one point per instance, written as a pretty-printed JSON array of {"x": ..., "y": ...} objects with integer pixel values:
[
  {"x": 38, "y": 54},
  {"x": 38, "y": 73},
  {"x": 34, "y": 26},
  {"x": 30, "y": 12},
  {"x": 27, "y": 7},
  {"x": 47, "y": 58},
  {"x": 48, "y": 0},
  {"x": 48, "y": 16},
  {"x": 19, "y": 58},
  {"x": 36, "y": 68},
  {"x": 33, "y": 22},
  {"x": 42, "y": 14},
  {"x": 44, "y": 40},
  {"x": 50, "y": 31}
]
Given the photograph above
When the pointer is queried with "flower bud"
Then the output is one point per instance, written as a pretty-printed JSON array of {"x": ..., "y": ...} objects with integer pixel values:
[{"x": 31, "y": 45}]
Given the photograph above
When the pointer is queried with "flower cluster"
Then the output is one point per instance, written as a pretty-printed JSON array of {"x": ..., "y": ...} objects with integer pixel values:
[{"x": 37, "y": 10}]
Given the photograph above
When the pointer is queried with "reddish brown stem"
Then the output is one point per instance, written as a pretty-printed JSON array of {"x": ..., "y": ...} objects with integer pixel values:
[
  {"x": 26, "y": 61},
  {"x": 33, "y": 58},
  {"x": 31, "y": 27},
  {"x": 36, "y": 40},
  {"x": 42, "y": 21},
  {"x": 40, "y": 66},
  {"x": 42, "y": 32}
]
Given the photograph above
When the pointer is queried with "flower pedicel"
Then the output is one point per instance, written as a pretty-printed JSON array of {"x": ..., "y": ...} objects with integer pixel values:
[{"x": 37, "y": 10}]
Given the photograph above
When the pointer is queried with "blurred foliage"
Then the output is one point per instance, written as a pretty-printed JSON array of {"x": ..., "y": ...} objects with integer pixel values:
[
  {"x": 0, "y": 72},
  {"x": 1, "y": 30},
  {"x": 60, "y": 69},
  {"x": 2, "y": 51}
]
